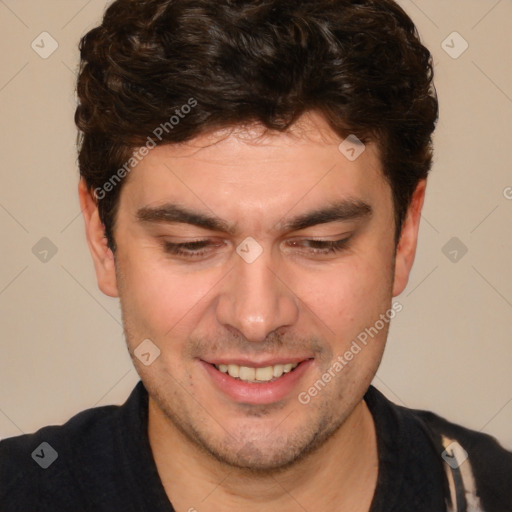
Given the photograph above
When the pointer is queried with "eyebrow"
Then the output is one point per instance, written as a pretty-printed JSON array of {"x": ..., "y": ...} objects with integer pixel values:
[
  {"x": 173, "y": 213},
  {"x": 340, "y": 211}
]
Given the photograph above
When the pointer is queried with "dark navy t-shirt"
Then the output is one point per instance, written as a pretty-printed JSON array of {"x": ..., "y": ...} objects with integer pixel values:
[{"x": 101, "y": 461}]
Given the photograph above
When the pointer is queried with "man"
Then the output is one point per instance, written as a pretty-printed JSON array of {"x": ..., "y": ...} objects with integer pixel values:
[{"x": 252, "y": 179}]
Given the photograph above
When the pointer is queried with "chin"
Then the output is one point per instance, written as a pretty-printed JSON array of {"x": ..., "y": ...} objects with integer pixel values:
[{"x": 265, "y": 453}]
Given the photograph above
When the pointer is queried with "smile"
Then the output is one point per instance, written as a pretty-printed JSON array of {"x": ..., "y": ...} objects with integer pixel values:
[
  {"x": 254, "y": 375},
  {"x": 262, "y": 382}
]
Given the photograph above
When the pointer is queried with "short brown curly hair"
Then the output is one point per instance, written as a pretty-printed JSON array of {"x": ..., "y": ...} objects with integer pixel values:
[{"x": 359, "y": 63}]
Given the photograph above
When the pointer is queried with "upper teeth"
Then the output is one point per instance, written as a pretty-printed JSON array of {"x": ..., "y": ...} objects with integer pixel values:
[{"x": 248, "y": 374}]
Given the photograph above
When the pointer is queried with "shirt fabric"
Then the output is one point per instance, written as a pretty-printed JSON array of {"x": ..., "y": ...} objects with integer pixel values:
[{"x": 104, "y": 463}]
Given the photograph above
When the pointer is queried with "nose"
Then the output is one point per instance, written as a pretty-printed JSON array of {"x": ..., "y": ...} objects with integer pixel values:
[{"x": 255, "y": 300}]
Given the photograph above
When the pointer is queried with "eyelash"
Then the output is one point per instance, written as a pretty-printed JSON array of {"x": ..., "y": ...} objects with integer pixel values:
[
  {"x": 324, "y": 247},
  {"x": 187, "y": 248},
  {"x": 199, "y": 248}
]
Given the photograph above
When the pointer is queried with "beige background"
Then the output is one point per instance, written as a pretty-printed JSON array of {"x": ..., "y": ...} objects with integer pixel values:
[{"x": 450, "y": 351}]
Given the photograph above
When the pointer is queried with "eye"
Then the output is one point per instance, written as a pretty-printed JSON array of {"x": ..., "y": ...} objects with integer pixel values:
[
  {"x": 192, "y": 249},
  {"x": 320, "y": 247},
  {"x": 201, "y": 248}
]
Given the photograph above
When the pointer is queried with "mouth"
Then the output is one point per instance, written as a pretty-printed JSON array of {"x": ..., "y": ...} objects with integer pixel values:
[
  {"x": 258, "y": 383},
  {"x": 256, "y": 375}
]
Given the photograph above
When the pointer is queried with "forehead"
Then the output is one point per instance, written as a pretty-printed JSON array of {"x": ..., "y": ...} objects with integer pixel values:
[{"x": 251, "y": 171}]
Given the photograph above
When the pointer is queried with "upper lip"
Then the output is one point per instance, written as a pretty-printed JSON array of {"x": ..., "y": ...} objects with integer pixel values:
[{"x": 260, "y": 363}]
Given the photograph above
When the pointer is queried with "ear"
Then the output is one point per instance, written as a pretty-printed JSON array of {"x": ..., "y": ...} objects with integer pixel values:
[
  {"x": 406, "y": 249},
  {"x": 102, "y": 256}
]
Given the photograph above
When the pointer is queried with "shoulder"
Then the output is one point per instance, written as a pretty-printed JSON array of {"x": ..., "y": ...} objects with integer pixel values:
[
  {"x": 38, "y": 464},
  {"x": 434, "y": 453},
  {"x": 56, "y": 467},
  {"x": 482, "y": 459}
]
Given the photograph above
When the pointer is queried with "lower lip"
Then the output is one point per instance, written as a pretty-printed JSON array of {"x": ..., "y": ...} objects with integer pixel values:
[{"x": 257, "y": 393}]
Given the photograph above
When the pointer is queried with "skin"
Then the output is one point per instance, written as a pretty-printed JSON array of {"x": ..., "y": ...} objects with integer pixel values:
[{"x": 213, "y": 452}]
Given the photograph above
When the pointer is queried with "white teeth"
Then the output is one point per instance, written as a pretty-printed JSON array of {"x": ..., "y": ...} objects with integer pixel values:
[
  {"x": 278, "y": 370},
  {"x": 265, "y": 374},
  {"x": 233, "y": 370},
  {"x": 248, "y": 374}
]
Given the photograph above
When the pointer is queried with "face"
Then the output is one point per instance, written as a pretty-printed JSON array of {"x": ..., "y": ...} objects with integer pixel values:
[{"x": 252, "y": 262}]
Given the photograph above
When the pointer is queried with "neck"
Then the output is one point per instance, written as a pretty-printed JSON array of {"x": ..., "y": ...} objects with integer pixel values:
[{"x": 340, "y": 475}]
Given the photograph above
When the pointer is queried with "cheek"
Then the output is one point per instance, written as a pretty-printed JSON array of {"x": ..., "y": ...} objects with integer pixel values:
[
  {"x": 349, "y": 295},
  {"x": 351, "y": 303},
  {"x": 159, "y": 301}
]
